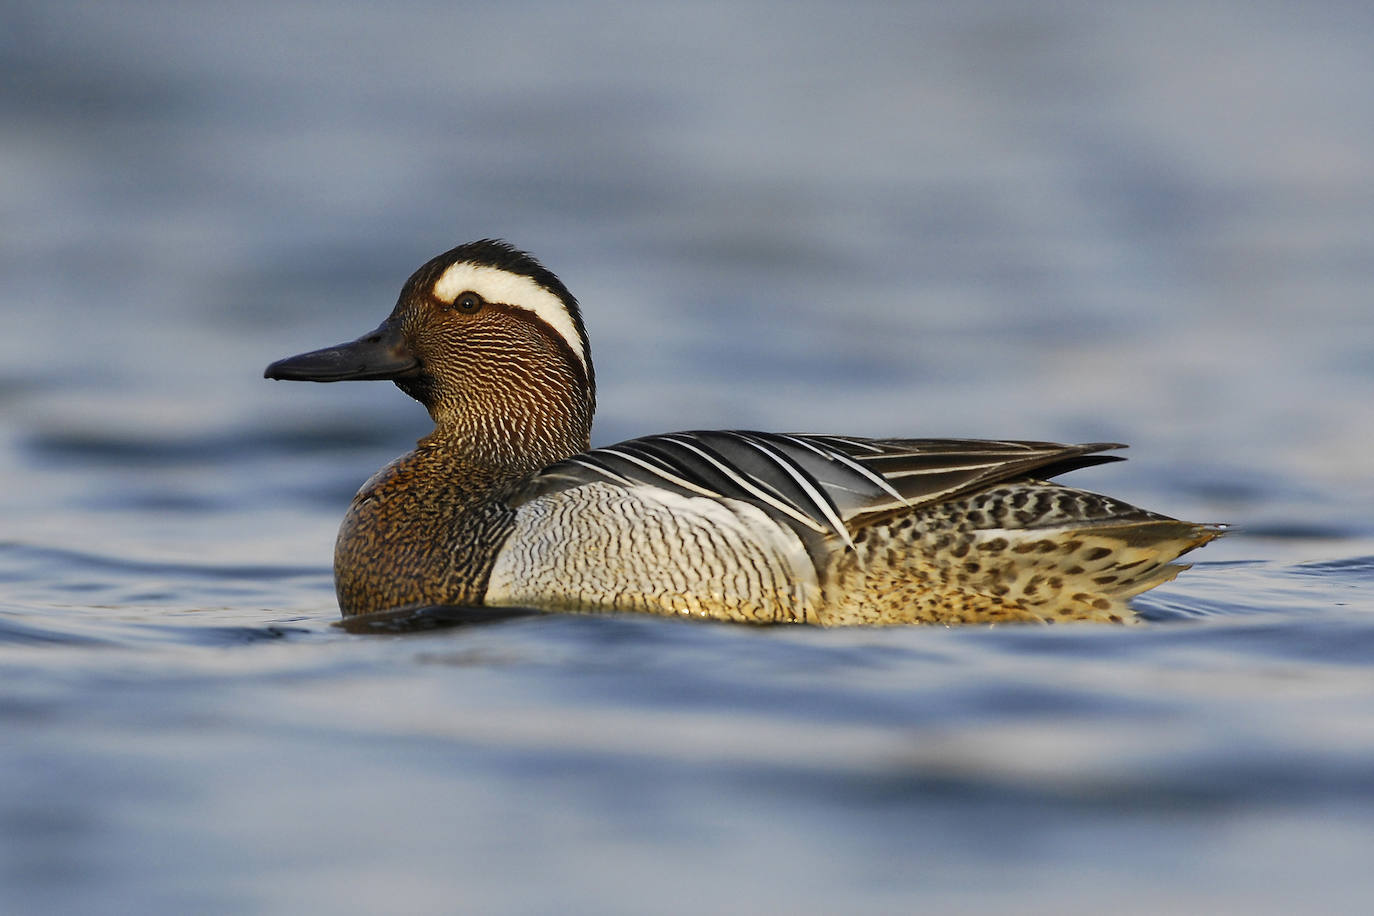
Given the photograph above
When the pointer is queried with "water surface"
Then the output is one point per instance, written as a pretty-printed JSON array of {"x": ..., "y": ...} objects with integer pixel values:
[{"x": 1063, "y": 223}]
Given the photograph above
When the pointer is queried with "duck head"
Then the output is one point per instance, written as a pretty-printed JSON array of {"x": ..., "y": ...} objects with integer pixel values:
[{"x": 492, "y": 344}]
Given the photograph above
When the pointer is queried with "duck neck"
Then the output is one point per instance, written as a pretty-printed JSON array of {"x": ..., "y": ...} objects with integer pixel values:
[
  {"x": 510, "y": 429},
  {"x": 426, "y": 529}
]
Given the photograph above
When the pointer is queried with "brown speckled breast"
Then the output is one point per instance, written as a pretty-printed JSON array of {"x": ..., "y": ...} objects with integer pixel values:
[{"x": 421, "y": 531}]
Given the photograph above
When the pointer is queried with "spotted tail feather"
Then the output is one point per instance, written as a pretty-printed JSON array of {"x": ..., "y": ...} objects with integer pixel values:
[{"x": 1027, "y": 551}]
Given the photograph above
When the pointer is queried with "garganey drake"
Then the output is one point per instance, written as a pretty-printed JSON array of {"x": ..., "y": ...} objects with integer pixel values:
[{"x": 505, "y": 505}]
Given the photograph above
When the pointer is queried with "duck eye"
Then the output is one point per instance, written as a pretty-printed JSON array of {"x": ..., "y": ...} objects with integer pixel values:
[{"x": 468, "y": 303}]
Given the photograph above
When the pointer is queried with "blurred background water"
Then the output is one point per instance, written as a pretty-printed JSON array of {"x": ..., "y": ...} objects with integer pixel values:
[{"x": 1151, "y": 223}]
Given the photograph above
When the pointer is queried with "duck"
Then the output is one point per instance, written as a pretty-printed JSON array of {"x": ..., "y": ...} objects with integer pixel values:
[{"x": 505, "y": 504}]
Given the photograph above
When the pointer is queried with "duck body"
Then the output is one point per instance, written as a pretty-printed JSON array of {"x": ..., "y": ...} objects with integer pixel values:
[{"x": 504, "y": 504}]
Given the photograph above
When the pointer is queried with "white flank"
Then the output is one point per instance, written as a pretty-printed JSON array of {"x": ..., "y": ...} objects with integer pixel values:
[
  {"x": 603, "y": 546},
  {"x": 505, "y": 288}
]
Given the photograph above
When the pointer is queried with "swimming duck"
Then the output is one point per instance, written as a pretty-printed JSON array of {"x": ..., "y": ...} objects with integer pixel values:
[{"x": 505, "y": 505}]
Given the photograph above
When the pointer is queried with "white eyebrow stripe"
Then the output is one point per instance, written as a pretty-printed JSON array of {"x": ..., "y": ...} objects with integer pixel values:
[{"x": 516, "y": 290}]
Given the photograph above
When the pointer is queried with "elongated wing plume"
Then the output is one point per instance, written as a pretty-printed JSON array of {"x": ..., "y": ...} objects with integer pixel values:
[{"x": 818, "y": 485}]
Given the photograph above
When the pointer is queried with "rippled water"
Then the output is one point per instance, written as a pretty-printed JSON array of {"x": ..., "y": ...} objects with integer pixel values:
[{"x": 982, "y": 219}]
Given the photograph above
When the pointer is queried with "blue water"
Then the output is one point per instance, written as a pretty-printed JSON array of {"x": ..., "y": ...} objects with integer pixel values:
[{"x": 1063, "y": 221}]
